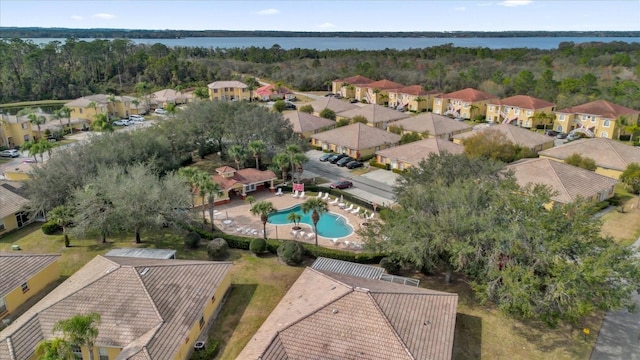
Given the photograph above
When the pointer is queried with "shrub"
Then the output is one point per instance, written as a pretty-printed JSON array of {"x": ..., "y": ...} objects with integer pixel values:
[
  {"x": 50, "y": 228},
  {"x": 306, "y": 109},
  {"x": 328, "y": 114},
  {"x": 258, "y": 246},
  {"x": 192, "y": 240},
  {"x": 291, "y": 253},
  {"x": 390, "y": 265},
  {"x": 398, "y": 171},
  {"x": 374, "y": 163},
  {"x": 342, "y": 122},
  {"x": 209, "y": 352},
  {"x": 217, "y": 249}
]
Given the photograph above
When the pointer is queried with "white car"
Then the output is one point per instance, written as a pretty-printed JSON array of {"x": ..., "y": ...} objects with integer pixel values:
[
  {"x": 160, "y": 111},
  {"x": 136, "y": 118},
  {"x": 123, "y": 122}
]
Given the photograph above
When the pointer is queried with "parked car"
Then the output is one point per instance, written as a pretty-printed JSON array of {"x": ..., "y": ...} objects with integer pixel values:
[
  {"x": 551, "y": 133},
  {"x": 123, "y": 122},
  {"x": 160, "y": 111},
  {"x": 136, "y": 118},
  {"x": 355, "y": 164},
  {"x": 344, "y": 161},
  {"x": 342, "y": 184},
  {"x": 10, "y": 153},
  {"x": 561, "y": 135},
  {"x": 353, "y": 101},
  {"x": 329, "y": 95},
  {"x": 28, "y": 161},
  {"x": 574, "y": 136},
  {"x": 334, "y": 159},
  {"x": 290, "y": 106},
  {"x": 326, "y": 157},
  {"x": 337, "y": 96}
]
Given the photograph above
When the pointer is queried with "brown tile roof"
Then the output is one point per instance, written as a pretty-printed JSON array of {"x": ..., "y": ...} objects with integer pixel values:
[
  {"x": 609, "y": 154},
  {"x": 435, "y": 124},
  {"x": 355, "y": 80},
  {"x": 523, "y": 102},
  {"x": 602, "y": 108},
  {"x": 515, "y": 134},
  {"x": 11, "y": 199},
  {"x": 383, "y": 85},
  {"x": 335, "y": 316},
  {"x": 414, "y": 152},
  {"x": 146, "y": 305},
  {"x": 16, "y": 269},
  {"x": 358, "y": 136},
  {"x": 332, "y": 103},
  {"x": 303, "y": 122},
  {"x": 98, "y": 99},
  {"x": 567, "y": 181},
  {"x": 271, "y": 89},
  {"x": 227, "y": 84},
  {"x": 244, "y": 176},
  {"x": 469, "y": 95},
  {"x": 374, "y": 113}
]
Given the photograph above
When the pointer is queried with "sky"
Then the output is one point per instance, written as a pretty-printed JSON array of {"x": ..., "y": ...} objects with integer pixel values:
[{"x": 328, "y": 15}]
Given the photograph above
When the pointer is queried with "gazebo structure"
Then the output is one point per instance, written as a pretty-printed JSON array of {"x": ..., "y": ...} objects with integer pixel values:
[{"x": 240, "y": 182}]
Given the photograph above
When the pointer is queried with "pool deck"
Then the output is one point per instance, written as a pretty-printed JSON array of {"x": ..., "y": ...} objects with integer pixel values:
[{"x": 238, "y": 212}]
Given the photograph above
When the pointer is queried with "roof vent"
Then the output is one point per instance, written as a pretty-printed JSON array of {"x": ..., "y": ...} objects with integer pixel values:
[
  {"x": 333, "y": 287},
  {"x": 357, "y": 288},
  {"x": 334, "y": 311},
  {"x": 427, "y": 323},
  {"x": 144, "y": 271},
  {"x": 111, "y": 269}
]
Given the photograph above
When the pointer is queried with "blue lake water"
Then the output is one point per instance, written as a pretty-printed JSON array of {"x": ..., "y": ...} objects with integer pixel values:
[
  {"x": 342, "y": 43},
  {"x": 330, "y": 225}
]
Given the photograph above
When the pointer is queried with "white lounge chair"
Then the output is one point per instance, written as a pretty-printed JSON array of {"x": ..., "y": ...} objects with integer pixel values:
[
  {"x": 334, "y": 241},
  {"x": 279, "y": 193},
  {"x": 310, "y": 235},
  {"x": 335, "y": 201},
  {"x": 295, "y": 194},
  {"x": 349, "y": 208},
  {"x": 301, "y": 196},
  {"x": 346, "y": 243},
  {"x": 301, "y": 233},
  {"x": 319, "y": 195},
  {"x": 294, "y": 233},
  {"x": 356, "y": 210},
  {"x": 326, "y": 196},
  {"x": 371, "y": 216},
  {"x": 240, "y": 229}
]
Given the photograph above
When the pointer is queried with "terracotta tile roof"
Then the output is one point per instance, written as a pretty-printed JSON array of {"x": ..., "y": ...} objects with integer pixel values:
[
  {"x": 567, "y": 181},
  {"x": 414, "y": 152},
  {"x": 227, "y": 84},
  {"x": 515, "y": 134},
  {"x": 415, "y": 90},
  {"x": 355, "y": 80},
  {"x": 435, "y": 124},
  {"x": 602, "y": 108},
  {"x": 469, "y": 95},
  {"x": 16, "y": 269},
  {"x": 146, "y": 305},
  {"x": 358, "y": 136},
  {"x": 523, "y": 102},
  {"x": 303, "y": 122},
  {"x": 244, "y": 176},
  {"x": 609, "y": 154},
  {"x": 334, "y": 316},
  {"x": 383, "y": 85},
  {"x": 271, "y": 89},
  {"x": 332, "y": 103},
  {"x": 100, "y": 99},
  {"x": 347, "y": 268},
  {"x": 374, "y": 113},
  {"x": 11, "y": 198}
]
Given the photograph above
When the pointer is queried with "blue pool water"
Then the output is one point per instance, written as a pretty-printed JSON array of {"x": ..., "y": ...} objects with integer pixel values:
[{"x": 330, "y": 225}]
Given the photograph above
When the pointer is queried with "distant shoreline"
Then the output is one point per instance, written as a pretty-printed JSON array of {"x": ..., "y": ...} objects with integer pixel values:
[{"x": 34, "y": 32}]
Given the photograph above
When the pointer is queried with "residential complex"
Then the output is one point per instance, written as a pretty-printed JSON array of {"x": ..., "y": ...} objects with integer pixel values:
[
  {"x": 521, "y": 110},
  {"x": 466, "y": 103},
  {"x": 598, "y": 118},
  {"x": 228, "y": 90},
  {"x": 114, "y": 107}
]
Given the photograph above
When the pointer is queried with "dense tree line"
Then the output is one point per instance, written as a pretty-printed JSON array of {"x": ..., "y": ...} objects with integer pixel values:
[{"x": 569, "y": 75}]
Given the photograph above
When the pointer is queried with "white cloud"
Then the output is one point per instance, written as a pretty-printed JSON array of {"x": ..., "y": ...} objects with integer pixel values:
[
  {"x": 460, "y": 8},
  {"x": 513, "y": 3},
  {"x": 77, "y": 17},
  {"x": 484, "y": 4},
  {"x": 268, "y": 12},
  {"x": 326, "y": 25},
  {"x": 104, "y": 16}
]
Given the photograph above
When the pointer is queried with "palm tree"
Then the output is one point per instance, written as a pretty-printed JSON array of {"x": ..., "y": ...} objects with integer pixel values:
[
  {"x": 63, "y": 216},
  {"x": 44, "y": 146},
  {"x": 418, "y": 100},
  {"x": 80, "y": 330},
  {"x": 101, "y": 123},
  {"x": 622, "y": 122},
  {"x": 111, "y": 100},
  {"x": 65, "y": 112},
  {"x": 190, "y": 174},
  {"x": 317, "y": 208},
  {"x": 281, "y": 161},
  {"x": 295, "y": 218},
  {"x": 296, "y": 159},
  {"x": 55, "y": 349},
  {"x": 33, "y": 148},
  {"x": 213, "y": 189},
  {"x": 143, "y": 88},
  {"x": 257, "y": 147},
  {"x": 252, "y": 84},
  {"x": 37, "y": 120},
  {"x": 263, "y": 209},
  {"x": 5, "y": 138},
  {"x": 57, "y": 116},
  {"x": 238, "y": 154}
]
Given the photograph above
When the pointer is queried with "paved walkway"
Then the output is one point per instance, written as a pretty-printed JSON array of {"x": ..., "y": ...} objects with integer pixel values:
[{"x": 619, "y": 336}]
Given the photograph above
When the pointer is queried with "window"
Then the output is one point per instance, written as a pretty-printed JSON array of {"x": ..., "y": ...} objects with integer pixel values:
[
  {"x": 103, "y": 354},
  {"x": 201, "y": 322},
  {"x": 77, "y": 352},
  {"x": 213, "y": 299},
  {"x": 593, "y": 119},
  {"x": 561, "y": 117},
  {"x": 437, "y": 101},
  {"x": 560, "y": 128},
  {"x": 516, "y": 111},
  {"x": 1, "y": 226},
  {"x": 215, "y": 91},
  {"x": 604, "y": 134},
  {"x": 584, "y": 117},
  {"x": 606, "y": 123},
  {"x": 528, "y": 112},
  {"x": 490, "y": 107},
  {"x": 3, "y": 306},
  {"x": 25, "y": 287},
  {"x": 80, "y": 110},
  {"x": 466, "y": 105},
  {"x": 251, "y": 187},
  {"x": 25, "y": 126},
  {"x": 22, "y": 219}
]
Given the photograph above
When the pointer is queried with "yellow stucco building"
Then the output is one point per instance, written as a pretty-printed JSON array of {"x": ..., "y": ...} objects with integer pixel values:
[
  {"x": 413, "y": 98},
  {"x": 598, "y": 118},
  {"x": 229, "y": 90},
  {"x": 116, "y": 107},
  {"x": 521, "y": 110},
  {"x": 347, "y": 86},
  {"x": 466, "y": 103}
]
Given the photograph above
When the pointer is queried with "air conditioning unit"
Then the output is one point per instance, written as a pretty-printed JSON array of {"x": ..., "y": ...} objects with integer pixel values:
[{"x": 199, "y": 346}]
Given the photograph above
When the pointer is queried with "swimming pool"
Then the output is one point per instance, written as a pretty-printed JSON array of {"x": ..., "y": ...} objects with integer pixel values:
[{"x": 330, "y": 225}]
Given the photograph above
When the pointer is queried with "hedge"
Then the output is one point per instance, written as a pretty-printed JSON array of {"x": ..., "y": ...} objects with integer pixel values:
[
  {"x": 50, "y": 228},
  {"x": 377, "y": 164}
]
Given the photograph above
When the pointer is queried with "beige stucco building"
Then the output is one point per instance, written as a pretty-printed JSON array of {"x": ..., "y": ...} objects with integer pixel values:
[
  {"x": 228, "y": 90},
  {"x": 520, "y": 110},
  {"x": 598, "y": 118},
  {"x": 466, "y": 103}
]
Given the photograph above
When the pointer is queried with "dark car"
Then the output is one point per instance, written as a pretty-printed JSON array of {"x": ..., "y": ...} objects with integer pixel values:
[
  {"x": 329, "y": 95},
  {"x": 342, "y": 184},
  {"x": 335, "y": 158},
  {"x": 290, "y": 106},
  {"x": 551, "y": 133},
  {"x": 354, "y": 164},
  {"x": 561, "y": 135},
  {"x": 353, "y": 101},
  {"x": 344, "y": 161},
  {"x": 326, "y": 157}
]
